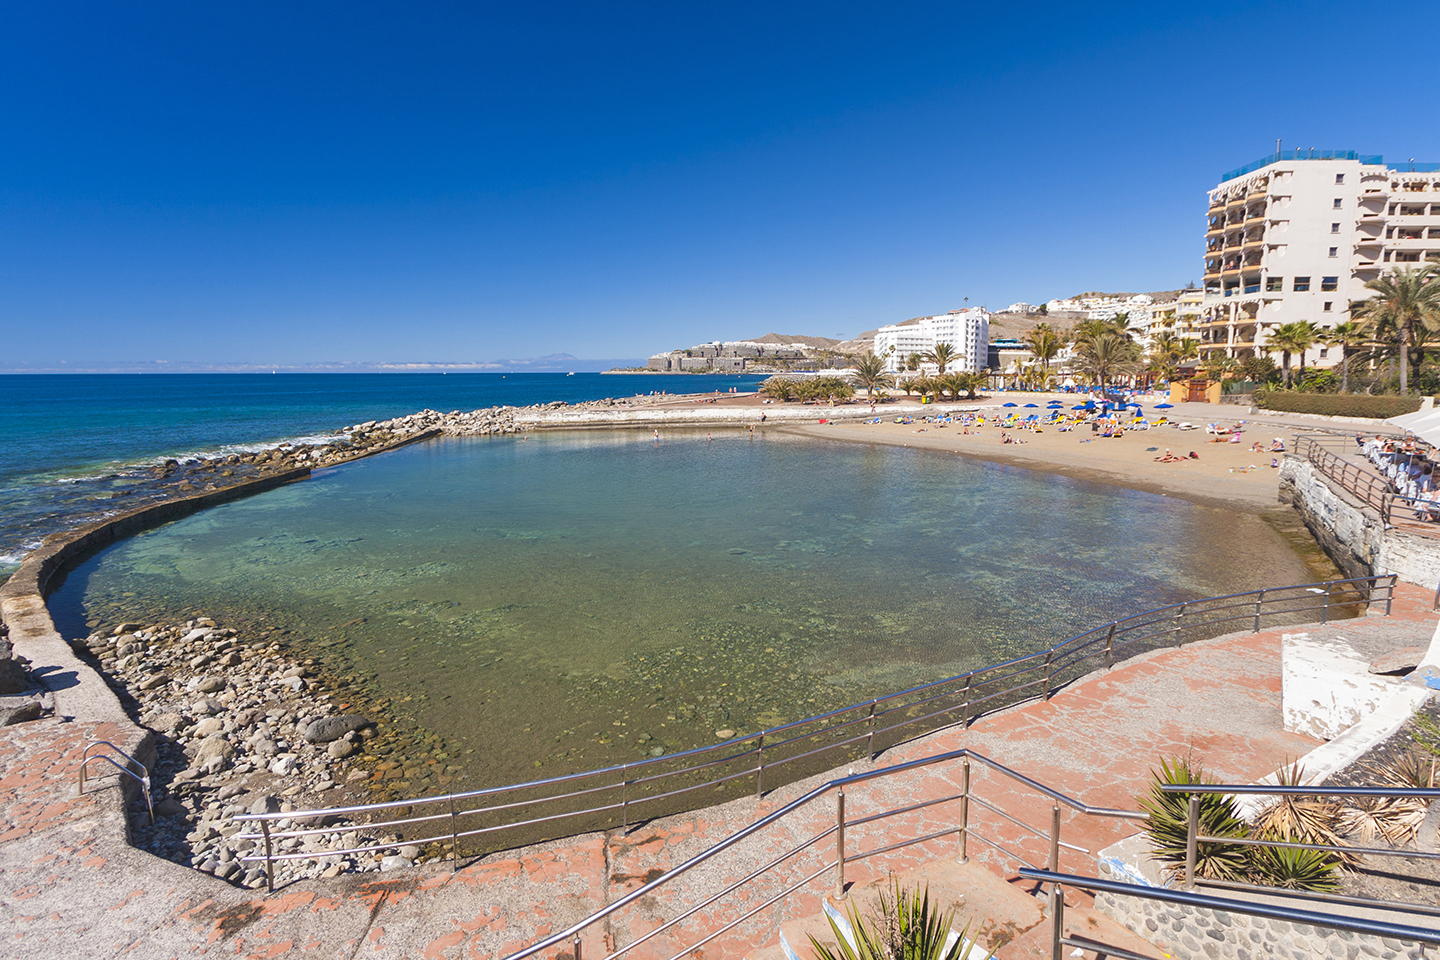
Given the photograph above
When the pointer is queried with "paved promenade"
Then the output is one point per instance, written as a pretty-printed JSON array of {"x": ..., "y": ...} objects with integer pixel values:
[{"x": 71, "y": 886}]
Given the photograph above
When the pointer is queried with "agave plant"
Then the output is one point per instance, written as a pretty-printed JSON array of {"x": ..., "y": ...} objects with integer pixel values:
[
  {"x": 1168, "y": 816},
  {"x": 904, "y": 926},
  {"x": 1298, "y": 818},
  {"x": 1293, "y": 869},
  {"x": 1395, "y": 819}
]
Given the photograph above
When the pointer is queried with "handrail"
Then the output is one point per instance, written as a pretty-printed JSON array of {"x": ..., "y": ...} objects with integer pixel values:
[
  {"x": 143, "y": 777},
  {"x": 1362, "y": 483},
  {"x": 1194, "y": 837},
  {"x": 838, "y": 786},
  {"x": 1377, "y": 928},
  {"x": 869, "y": 726}
]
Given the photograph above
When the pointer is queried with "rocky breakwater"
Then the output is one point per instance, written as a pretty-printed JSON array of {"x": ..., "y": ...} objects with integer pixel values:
[
  {"x": 240, "y": 729},
  {"x": 487, "y": 422}
]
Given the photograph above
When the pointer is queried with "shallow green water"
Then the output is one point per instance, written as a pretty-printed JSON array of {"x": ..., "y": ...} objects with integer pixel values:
[{"x": 572, "y": 600}]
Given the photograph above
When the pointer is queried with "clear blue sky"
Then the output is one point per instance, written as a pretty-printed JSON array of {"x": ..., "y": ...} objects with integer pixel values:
[{"x": 296, "y": 182}]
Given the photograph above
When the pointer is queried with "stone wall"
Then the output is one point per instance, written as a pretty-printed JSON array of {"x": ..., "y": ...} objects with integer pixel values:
[
  {"x": 1351, "y": 532},
  {"x": 1197, "y": 933}
]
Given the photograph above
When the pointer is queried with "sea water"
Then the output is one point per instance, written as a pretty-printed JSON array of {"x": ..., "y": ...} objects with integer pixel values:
[
  {"x": 570, "y": 600},
  {"x": 71, "y": 442}
]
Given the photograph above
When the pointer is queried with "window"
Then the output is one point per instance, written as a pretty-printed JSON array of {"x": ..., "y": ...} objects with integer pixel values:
[
  {"x": 1275, "y": 285},
  {"x": 1329, "y": 283},
  {"x": 1324, "y": 352},
  {"x": 1334, "y": 251},
  {"x": 1334, "y": 228},
  {"x": 1339, "y": 178},
  {"x": 1328, "y": 305},
  {"x": 1337, "y": 203},
  {"x": 1302, "y": 284}
]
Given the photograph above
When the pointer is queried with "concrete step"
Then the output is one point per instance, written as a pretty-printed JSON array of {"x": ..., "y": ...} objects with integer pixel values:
[{"x": 994, "y": 914}]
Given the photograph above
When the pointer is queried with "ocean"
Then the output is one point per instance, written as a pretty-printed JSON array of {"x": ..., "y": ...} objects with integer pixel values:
[{"x": 71, "y": 441}]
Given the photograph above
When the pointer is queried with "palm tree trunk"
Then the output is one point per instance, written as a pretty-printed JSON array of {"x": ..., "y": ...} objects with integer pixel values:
[
  {"x": 1344, "y": 369},
  {"x": 1404, "y": 360}
]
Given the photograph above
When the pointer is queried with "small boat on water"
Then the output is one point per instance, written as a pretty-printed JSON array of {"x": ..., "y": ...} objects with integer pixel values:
[{"x": 570, "y": 374}]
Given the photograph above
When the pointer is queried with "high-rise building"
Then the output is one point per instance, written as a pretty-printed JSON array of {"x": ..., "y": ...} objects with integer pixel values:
[
  {"x": 1297, "y": 234},
  {"x": 968, "y": 331}
]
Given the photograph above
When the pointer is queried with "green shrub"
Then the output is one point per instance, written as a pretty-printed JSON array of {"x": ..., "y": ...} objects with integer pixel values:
[
  {"x": 1336, "y": 405},
  {"x": 903, "y": 927},
  {"x": 1167, "y": 817}
]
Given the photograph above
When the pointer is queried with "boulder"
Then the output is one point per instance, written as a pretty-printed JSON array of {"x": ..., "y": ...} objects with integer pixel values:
[
  {"x": 29, "y": 710},
  {"x": 327, "y": 729},
  {"x": 13, "y": 677},
  {"x": 1397, "y": 663},
  {"x": 213, "y": 753}
]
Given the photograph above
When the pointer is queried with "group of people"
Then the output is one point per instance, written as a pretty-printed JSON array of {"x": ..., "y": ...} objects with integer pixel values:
[{"x": 1408, "y": 468}]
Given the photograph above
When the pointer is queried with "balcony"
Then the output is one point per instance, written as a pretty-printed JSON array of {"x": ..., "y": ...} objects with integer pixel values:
[
  {"x": 1236, "y": 201},
  {"x": 1254, "y": 242},
  {"x": 1252, "y": 215},
  {"x": 1216, "y": 230}
]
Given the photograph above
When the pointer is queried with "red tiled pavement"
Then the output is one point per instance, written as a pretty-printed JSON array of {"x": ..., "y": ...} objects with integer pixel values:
[{"x": 72, "y": 887}]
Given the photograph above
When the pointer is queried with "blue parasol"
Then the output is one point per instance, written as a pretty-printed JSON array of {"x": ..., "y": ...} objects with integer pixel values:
[
  {"x": 1035, "y": 406},
  {"x": 1009, "y": 404},
  {"x": 1163, "y": 406}
]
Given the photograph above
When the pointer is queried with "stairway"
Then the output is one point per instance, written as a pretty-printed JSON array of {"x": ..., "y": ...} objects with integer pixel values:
[{"x": 995, "y": 914}]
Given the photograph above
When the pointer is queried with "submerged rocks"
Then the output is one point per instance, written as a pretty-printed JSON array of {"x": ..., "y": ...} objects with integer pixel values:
[{"x": 326, "y": 729}]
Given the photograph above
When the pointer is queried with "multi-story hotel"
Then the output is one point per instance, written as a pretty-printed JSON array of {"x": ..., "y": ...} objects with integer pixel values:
[
  {"x": 968, "y": 331},
  {"x": 1296, "y": 235}
]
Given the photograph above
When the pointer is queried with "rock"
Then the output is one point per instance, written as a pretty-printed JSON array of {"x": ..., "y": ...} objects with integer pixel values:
[
  {"x": 283, "y": 766},
  {"x": 393, "y": 863},
  {"x": 326, "y": 729},
  {"x": 167, "y": 723},
  {"x": 213, "y": 754},
  {"x": 13, "y": 677},
  {"x": 266, "y": 804},
  {"x": 208, "y": 727},
  {"x": 1397, "y": 663},
  {"x": 231, "y": 659},
  {"x": 155, "y": 682},
  {"x": 411, "y": 853},
  {"x": 211, "y": 685},
  {"x": 340, "y": 749},
  {"x": 30, "y": 710},
  {"x": 169, "y": 807},
  {"x": 206, "y": 706},
  {"x": 724, "y": 734},
  {"x": 128, "y": 628},
  {"x": 293, "y": 672}
]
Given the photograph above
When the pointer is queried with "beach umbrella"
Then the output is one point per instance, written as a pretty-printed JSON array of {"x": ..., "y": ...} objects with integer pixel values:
[
  {"x": 1163, "y": 406},
  {"x": 1009, "y": 404},
  {"x": 1033, "y": 405},
  {"x": 1078, "y": 406}
]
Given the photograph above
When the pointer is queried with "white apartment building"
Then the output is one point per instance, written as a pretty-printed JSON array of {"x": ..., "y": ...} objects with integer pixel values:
[
  {"x": 1296, "y": 235},
  {"x": 968, "y": 331}
]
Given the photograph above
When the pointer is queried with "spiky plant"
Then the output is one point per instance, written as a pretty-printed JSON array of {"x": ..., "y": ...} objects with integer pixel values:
[
  {"x": 1296, "y": 817},
  {"x": 904, "y": 926},
  {"x": 1167, "y": 817},
  {"x": 1292, "y": 869}
]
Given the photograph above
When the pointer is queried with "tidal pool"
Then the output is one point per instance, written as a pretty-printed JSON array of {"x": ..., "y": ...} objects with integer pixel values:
[{"x": 569, "y": 600}]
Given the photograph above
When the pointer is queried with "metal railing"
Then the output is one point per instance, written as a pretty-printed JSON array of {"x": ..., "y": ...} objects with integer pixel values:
[
  {"x": 1193, "y": 836},
  {"x": 1058, "y": 941},
  {"x": 617, "y": 796},
  {"x": 128, "y": 768},
  {"x": 963, "y": 828},
  {"x": 1359, "y": 481}
]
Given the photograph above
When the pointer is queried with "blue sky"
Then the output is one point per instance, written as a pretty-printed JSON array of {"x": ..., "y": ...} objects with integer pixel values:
[{"x": 349, "y": 182}]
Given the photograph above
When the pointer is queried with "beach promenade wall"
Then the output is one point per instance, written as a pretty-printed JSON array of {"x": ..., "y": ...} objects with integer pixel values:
[{"x": 1352, "y": 533}]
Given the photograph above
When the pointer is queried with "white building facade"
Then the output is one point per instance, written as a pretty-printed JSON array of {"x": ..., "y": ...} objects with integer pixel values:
[
  {"x": 968, "y": 331},
  {"x": 1296, "y": 235}
]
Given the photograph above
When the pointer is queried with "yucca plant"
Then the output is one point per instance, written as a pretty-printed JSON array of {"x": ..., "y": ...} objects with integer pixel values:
[
  {"x": 1293, "y": 869},
  {"x": 904, "y": 926},
  {"x": 1298, "y": 818},
  {"x": 1395, "y": 819},
  {"x": 1167, "y": 818}
]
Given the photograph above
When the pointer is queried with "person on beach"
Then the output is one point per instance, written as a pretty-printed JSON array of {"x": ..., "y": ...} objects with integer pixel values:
[{"x": 657, "y": 435}]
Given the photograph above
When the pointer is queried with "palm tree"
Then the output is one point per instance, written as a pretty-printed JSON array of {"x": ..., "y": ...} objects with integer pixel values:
[
  {"x": 1295, "y": 337},
  {"x": 1044, "y": 343},
  {"x": 969, "y": 381},
  {"x": 1106, "y": 354},
  {"x": 913, "y": 362},
  {"x": 922, "y": 385},
  {"x": 1405, "y": 300},
  {"x": 1345, "y": 335},
  {"x": 870, "y": 373},
  {"x": 942, "y": 355}
]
